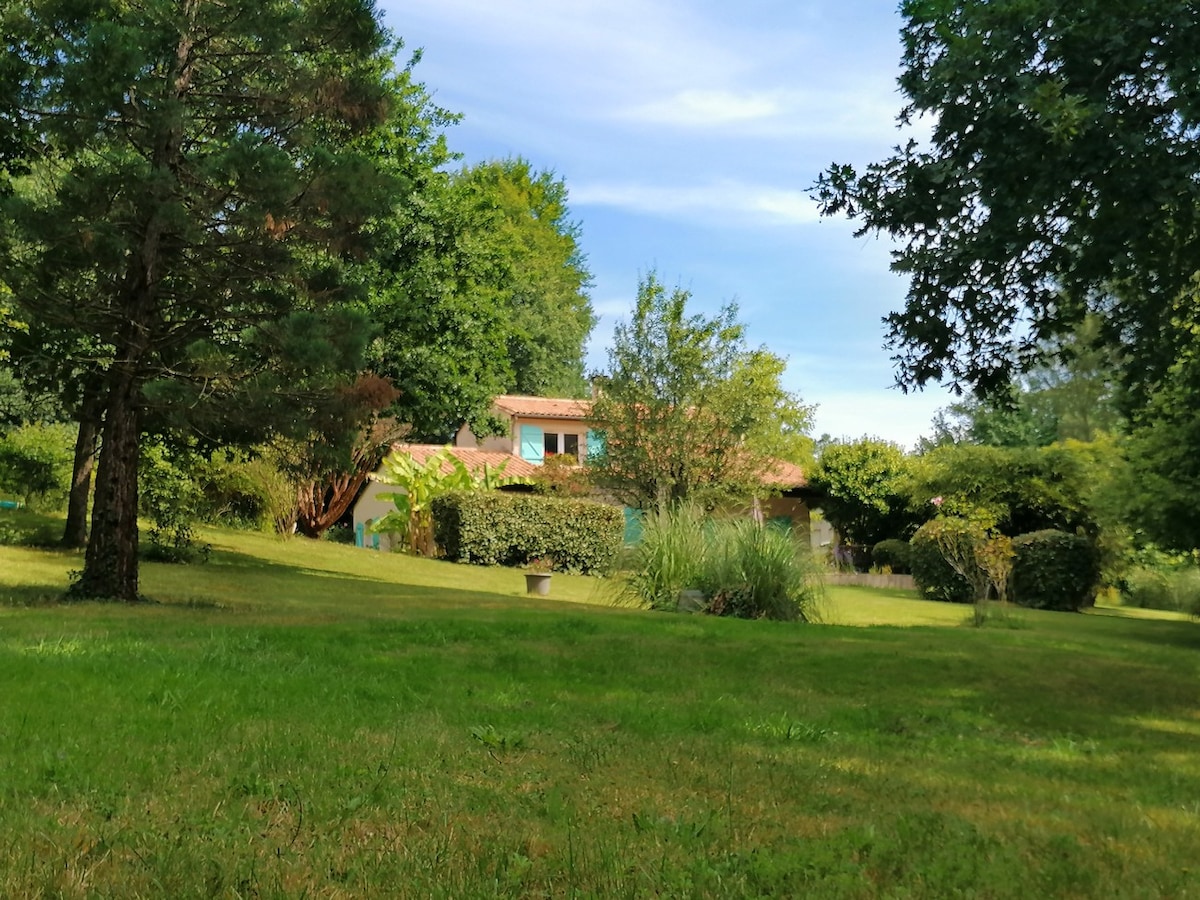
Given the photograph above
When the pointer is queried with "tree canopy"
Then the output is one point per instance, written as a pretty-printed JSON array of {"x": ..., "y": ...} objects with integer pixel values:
[
  {"x": 1061, "y": 174},
  {"x": 482, "y": 290},
  {"x": 688, "y": 411},
  {"x": 1071, "y": 397},
  {"x": 862, "y": 489},
  {"x": 186, "y": 185}
]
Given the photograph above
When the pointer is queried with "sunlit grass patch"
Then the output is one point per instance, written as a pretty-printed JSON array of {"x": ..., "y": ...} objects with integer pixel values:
[{"x": 339, "y": 722}]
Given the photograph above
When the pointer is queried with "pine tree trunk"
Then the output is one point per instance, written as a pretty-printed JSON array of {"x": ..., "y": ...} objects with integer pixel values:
[
  {"x": 110, "y": 568},
  {"x": 90, "y": 408}
]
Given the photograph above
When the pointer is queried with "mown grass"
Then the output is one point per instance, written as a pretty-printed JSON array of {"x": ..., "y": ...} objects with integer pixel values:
[{"x": 299, "y": 719}]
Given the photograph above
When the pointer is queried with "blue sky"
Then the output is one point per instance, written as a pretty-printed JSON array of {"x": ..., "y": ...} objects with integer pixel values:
[{"x": 688, "y": 134}]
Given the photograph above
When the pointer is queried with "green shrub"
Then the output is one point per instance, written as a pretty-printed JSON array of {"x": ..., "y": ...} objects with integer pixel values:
[
  {"x": 893, "y": 553},
  {"x": 1054, "y": 570},
  {"x": 35, "y": 465},
  {"x": 1174, "y": 589},
  {"x": 339, "y": 534},
  {"x": 1147, "y": 588},
  {"x": 494, "y": 528},
  {"x": 245, "y": 491},
  {"x": 22, "y": 528},
  {"x": 170, "y": 498},
  {"x": 667, "y": 559},
  {"x": 753, "y": 572},
  {"x": 1186, "y": 588},
  {"x": 934, "y": 577},
  {"x": 741, "y": 568}
]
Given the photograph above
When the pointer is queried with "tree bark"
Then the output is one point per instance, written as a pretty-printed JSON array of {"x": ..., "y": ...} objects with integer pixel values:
[
  {"x": 110, "y": 568},
  {"x": 110, "y": 565},
  {"x": 75, "y": 533},
  {"x": 323, "y": 503}
]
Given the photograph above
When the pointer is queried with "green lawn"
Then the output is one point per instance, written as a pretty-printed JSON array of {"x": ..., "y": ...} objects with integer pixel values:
[{"x": 299, "y": 719}]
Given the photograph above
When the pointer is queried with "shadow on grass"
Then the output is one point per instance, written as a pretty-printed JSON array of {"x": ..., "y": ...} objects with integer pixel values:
[
  {"x": 31, "y": 595},
  {"x": 224, "y": 558}
]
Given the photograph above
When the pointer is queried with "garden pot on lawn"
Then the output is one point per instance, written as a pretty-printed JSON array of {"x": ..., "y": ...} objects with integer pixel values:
[{"x": 537, "y": 583}]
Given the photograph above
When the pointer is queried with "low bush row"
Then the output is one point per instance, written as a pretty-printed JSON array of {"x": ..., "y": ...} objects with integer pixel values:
[
  {"x": 1050, "y": 570},
  {"x": 496, "y": 528}
]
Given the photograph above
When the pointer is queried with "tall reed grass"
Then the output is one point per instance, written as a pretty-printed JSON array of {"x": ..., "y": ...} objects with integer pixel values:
[
  {"x": 741, "y": 567},
  {"x": 668, "y": 557}
]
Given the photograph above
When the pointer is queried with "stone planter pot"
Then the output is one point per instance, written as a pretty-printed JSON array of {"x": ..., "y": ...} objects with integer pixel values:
[{"x": 537, "y": 583}]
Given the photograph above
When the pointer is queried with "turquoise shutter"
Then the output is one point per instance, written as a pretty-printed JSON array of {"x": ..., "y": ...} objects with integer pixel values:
[
  {"x": 533, "y": 444},
  {"x": 633, "y": 526},
  {"x": 595, "y": 444}
]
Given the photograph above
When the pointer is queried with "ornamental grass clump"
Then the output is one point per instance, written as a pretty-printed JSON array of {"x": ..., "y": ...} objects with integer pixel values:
[
  {"x": 755, "y": 572},
  {"x": 742, "y": 568},
  {"x": 667, "y": 559}
]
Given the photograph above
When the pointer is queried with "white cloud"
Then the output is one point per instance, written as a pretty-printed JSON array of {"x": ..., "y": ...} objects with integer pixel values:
[
  {"x": 690, "y": 108},
  {"x": 593, "y": 46},
  {"x": 732, "y": 202}
]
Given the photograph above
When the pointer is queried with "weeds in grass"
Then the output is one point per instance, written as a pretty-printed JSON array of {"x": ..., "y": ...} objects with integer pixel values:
[
  {"x": 996, "y": 614},
  {"x": 787, "y": 729},
  {"x": 494, "y": 739},
  {"x": 320, "y": 744}
]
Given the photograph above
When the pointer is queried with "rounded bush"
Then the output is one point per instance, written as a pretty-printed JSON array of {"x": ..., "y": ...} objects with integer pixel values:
[
  {"x": 1054, "y": 570},
  {"x": 934, "y": 577},
  {"x": 893, "y": 553}
]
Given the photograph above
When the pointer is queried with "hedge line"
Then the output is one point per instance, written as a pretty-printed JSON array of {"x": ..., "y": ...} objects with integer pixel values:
[{"x": 495, "y": 528}]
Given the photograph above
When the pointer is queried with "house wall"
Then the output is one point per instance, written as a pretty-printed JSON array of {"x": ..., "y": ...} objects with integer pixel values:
[
  {"x": 503, "y": 443},
  {"x": 465, "y": 437},
  {"x": 512, "y": 443},
  {"x": 370, "y": 509},
  {"x": 791, "y": 508}
]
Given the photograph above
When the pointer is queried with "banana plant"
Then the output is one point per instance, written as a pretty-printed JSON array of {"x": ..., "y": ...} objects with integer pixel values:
[{"x": 420, "y": 483}]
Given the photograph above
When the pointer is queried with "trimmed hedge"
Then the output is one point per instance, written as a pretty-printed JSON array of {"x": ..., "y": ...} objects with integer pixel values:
[
  {"x": 893, "y": 553},
  {"x": 1054, "y": 570},
  {"x": 494, "y": 528},
  {"x": 935, "y": 577}
]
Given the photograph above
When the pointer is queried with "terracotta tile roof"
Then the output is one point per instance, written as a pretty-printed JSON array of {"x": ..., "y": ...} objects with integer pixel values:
[
  {"x": 473, "y": 458},
  {"x": 543, "y": 407},
  {"x": 783, "y": 474}
]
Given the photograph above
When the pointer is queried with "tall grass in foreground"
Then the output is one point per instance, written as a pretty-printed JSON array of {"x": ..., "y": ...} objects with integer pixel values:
[{"x": 742, "y": 568}]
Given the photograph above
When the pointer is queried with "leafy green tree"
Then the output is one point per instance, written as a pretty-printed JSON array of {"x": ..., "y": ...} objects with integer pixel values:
[
  {"x": 482, "y": 291},
  {"x": 538, "y": 270},
  {"x": 863, "y": 490},
  {"x": 441, "y": 334},
  {"x": 1060, "y": 175},
  {"x": 1072, "y": 398},
  {"x": 688, "y": 411},
  {"x": 213, "y": 168},
  {"x": 1164, "y": 465},
  {"x": 1019, "y": 490}
]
